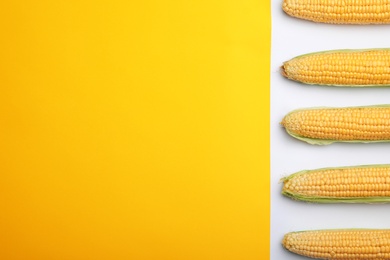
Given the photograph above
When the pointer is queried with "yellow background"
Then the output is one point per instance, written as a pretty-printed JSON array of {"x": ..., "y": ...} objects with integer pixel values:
[{"x": 134, "y": 129}]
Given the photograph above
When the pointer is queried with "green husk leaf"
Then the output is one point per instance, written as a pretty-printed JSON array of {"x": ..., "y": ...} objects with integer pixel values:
[
  {"x": 340, "y": 50},
  {"x": 327, "y": 200},
  {"x": 340, "y": 230}
]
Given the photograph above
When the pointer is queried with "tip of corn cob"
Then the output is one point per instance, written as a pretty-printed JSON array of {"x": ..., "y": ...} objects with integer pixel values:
[
  {"x": 294, "y": 125},
  {"x": 285, "y": 243},
  {"x": 283, "y": 71},
  {"x": 292, "y": 122}
]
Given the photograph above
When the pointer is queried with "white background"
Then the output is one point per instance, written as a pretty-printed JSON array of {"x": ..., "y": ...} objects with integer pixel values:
[{"x": 292, "y": 37}]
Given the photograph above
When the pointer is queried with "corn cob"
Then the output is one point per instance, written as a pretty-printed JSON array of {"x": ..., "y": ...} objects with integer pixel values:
[
  {"x": 359, "y": 68},
  {"x": 324, "y": 126},
  {"x": 340, "y": 12},
  {"x": 353, "y": 244},
  {"x": 358, "y": 184}
]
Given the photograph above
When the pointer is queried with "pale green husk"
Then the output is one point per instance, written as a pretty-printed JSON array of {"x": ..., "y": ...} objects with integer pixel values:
[
  {"x": 327, "y": 142},
  {"x": 331, "y": 200},
  {"x": 338, "y": 230},
  {"x": 339, "y": 51}
]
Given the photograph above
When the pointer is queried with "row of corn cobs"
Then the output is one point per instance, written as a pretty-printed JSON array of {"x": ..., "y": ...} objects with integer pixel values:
[{"x": 321, "y": 126}]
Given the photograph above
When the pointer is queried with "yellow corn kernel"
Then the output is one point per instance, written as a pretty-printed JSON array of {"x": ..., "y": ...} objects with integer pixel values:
[
  {"x": 344, "y": 244},
  {"x": 351, "y": 124},
  {"x": 358, "y": 184},
  {"x": 340, "y": 12},
  {"x": 362, "y": 68}
]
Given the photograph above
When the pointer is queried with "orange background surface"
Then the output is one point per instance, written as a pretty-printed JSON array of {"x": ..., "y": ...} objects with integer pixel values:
[{"x": 134, "y": 129}]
